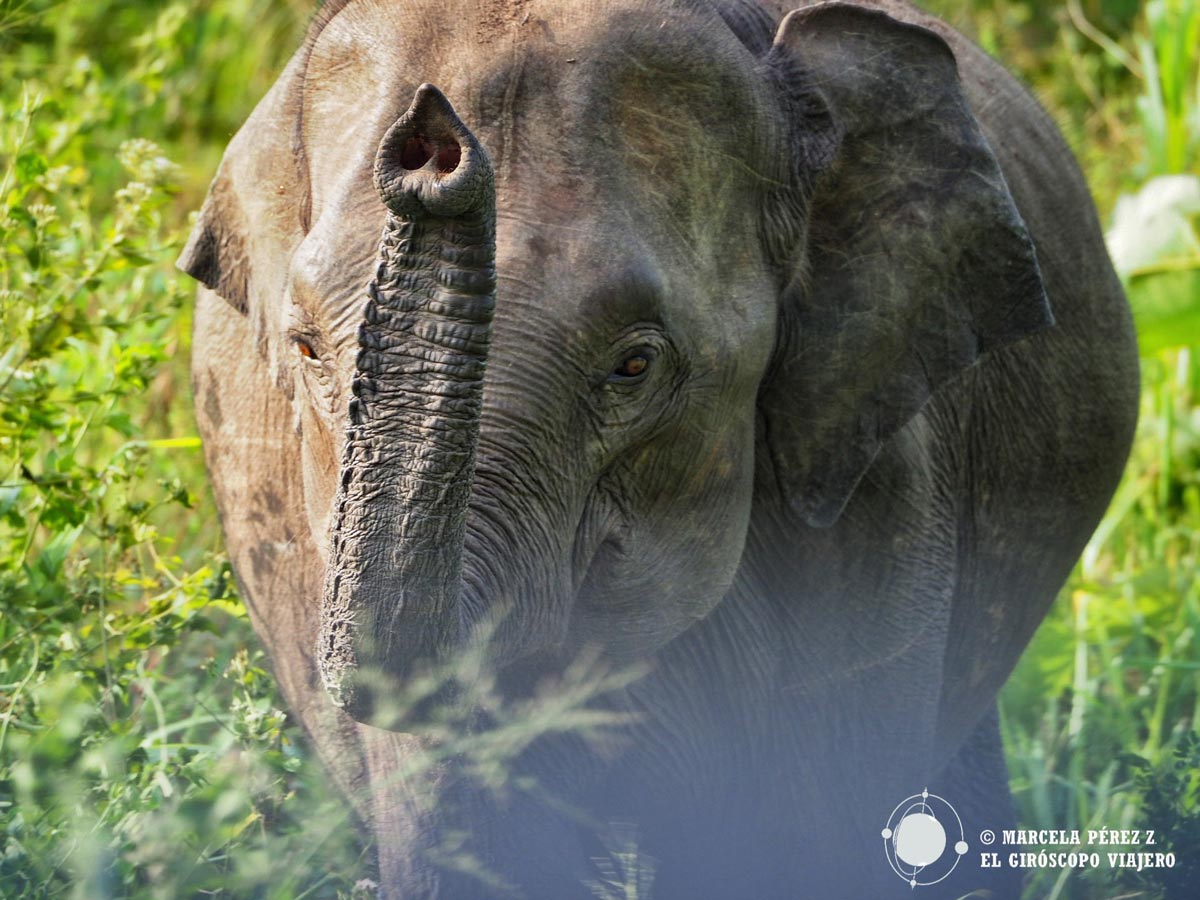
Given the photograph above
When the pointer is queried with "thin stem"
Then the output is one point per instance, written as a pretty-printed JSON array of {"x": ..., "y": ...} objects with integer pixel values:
[
  {"x": 12, "y": 703},
  {"x": 1098, "y": 37}
]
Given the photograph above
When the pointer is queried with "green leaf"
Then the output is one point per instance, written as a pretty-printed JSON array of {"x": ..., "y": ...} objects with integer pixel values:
[
  {"x": 1155, "y": 246},
  {"x": 49, "y": 336},
  {"x": 54, "y": 554},
  {"x": 130, "y": 253},
  {"x": 1166, "y": 308},
  {"x": 21, "y": 214},
  {"x": 30, "y": 166},
  {"x": 121, "y": 422}
]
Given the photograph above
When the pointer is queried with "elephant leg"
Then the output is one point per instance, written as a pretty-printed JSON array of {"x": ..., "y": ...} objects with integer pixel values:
[{"x": 975, "y": 782}]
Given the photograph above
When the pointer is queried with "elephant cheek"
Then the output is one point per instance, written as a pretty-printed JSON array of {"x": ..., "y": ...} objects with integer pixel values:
[
  {"x": 714, "y": 510},
  {"x": 322, "y": 447},
  {"x": 673, "y": 562}
]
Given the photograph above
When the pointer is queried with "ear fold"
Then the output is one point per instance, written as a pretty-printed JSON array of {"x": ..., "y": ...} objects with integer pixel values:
[
  {"x": 915, "y": 262},
  {"x": 253, "y": 217}
]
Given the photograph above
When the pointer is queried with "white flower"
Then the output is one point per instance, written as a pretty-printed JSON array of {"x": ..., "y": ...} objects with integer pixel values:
[{"x": 144, "y": 160}]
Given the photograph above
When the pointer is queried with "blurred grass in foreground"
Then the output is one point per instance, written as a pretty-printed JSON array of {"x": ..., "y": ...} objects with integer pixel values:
[{"x": 142, "y": 751}]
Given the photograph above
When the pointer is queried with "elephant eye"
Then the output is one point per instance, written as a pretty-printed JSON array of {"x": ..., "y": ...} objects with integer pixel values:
[
  {"x": 633, "y": 367},
  {"x": 305, "y": 349}
]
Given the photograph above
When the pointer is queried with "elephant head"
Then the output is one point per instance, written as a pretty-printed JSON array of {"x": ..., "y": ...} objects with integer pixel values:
[{"x": 706, "y": 266}]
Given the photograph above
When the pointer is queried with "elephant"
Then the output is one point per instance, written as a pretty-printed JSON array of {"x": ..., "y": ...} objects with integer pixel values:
[{"x": 768, "y": 352}]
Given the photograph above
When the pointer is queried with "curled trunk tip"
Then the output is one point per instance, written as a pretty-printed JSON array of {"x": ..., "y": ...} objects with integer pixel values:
[{"x": 430, "y": 165}]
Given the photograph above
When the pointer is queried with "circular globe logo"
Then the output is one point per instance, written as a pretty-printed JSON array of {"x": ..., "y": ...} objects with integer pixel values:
[{"x": 916, "y": 836}]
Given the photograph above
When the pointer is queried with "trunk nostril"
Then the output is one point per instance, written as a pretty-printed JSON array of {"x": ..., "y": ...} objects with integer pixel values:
[
  {"x": 430, "y": 165},
  {"x": 448, "y": 157},
  {"x": 418, "y": 150}
]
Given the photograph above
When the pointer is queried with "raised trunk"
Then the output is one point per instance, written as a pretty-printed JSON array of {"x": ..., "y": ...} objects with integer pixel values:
[{"x": 395, "y": 566}]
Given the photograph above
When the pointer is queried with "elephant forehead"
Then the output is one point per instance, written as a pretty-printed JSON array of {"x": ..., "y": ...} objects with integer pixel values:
[
  {"x": 625, "y": 137},
  {"x": 657, "y": 94}
]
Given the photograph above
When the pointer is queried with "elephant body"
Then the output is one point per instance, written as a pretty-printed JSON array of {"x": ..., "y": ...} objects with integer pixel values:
[{"x": 807, "y": 382}]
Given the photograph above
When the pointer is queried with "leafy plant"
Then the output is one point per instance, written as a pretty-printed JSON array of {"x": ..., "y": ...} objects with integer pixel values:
[
  {"x": 1170, "y": 805},
  {"x": 1155, "y": 237},
  {"x": 1169, "y": 106},
  {"x": 625, "y": 873},
  {"x": 1155, "y": 246},
  {"x": 142, "y": 752}
]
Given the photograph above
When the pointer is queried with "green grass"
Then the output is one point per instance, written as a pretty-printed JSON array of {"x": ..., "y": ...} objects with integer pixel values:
[
  {"x": 143, "y": 752},
  {"x": 142, "y": 749},
  {"x": 1103, "y": 706},
  {"x": 1109, "y": 684}
]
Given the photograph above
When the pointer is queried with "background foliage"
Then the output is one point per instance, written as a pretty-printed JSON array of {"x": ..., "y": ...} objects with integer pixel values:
[{"x": 142, "y": 749}]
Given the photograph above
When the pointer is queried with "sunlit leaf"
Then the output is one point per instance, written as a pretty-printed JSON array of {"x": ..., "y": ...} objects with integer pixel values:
[{"x": 1155, "y": 245}]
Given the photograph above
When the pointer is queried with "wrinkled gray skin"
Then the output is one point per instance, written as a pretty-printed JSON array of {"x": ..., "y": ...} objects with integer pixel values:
[{"x": 777, "y": 352}]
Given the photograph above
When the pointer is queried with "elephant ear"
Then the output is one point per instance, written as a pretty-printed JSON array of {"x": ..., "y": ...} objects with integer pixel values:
[
  {"x": 253, "y": 217},
  {"x": 914, "y": 260}
]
